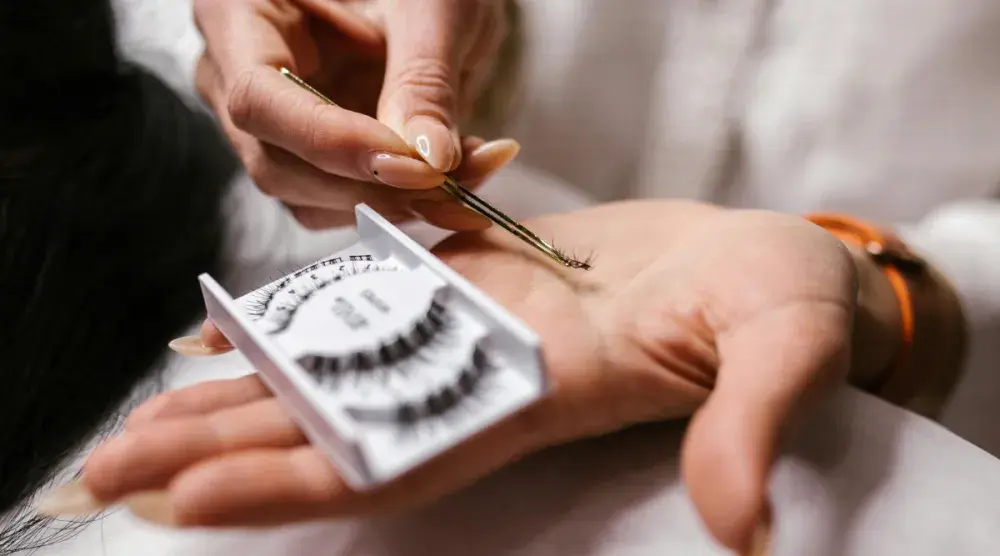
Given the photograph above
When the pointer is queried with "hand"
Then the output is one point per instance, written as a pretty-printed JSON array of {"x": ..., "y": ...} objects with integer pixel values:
[
  {"x": 418, "y": 66},
  {"x": 733, "y": 316}
]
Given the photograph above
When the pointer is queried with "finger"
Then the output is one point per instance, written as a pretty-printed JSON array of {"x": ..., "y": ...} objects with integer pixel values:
[
  {"x": 322, "y": 200},
  {"x": 212, "y": 336},
  {"x": 485, "y": 159},
  {"x": 769, "y": 366},
  {"x": 420, "y": 94},
  {"x": 315, "y": 218},
  {"x": 268, "y": 106},
  {"x": 272, "y": 487},
  {"x": 199, "y": 399},
  {"x": 359, "y": 22},
  {"x": 209, "y": 342},
  {"x": 240, "y": 36},
  {"x": 148, "y": 458}
]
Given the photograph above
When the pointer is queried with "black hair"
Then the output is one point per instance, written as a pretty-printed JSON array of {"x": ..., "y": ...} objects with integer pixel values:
[{"x": 111, "y": 191}]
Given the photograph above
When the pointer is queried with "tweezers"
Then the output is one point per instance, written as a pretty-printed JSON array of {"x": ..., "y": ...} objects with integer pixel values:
[{"x": 474, "y": 202}]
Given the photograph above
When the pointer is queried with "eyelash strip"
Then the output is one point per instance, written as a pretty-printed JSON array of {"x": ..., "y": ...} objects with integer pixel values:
[
  {"x": 258, "y": 306},
  {"x": 404, "y": 346},
  {"x": 437, "y": 403}
]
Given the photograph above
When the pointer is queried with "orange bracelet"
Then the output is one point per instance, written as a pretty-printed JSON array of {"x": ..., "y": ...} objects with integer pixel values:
[{"x": 898, "y": 263}]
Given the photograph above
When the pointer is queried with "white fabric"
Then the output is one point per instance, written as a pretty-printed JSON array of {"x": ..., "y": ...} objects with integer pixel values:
[{"x": 647, "y": 97}]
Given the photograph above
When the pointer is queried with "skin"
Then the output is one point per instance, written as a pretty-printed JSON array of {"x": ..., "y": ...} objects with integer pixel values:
[
  {"x": 403, "y": 75},
  {"x": 659, "y": 329}
]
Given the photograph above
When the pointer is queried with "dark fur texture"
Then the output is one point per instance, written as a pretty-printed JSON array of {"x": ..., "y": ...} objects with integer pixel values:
[{"x": 110, "y": 206}]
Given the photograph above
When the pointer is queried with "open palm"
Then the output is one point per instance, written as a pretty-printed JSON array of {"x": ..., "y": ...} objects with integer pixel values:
[{"x": 731, "y": 316}]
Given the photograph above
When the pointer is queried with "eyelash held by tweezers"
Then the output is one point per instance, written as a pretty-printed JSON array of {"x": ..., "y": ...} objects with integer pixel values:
[
  {"x": 406, "y": 345},
  {"x": 585, "y": 263},
  {"x": 471, "y": 200}
]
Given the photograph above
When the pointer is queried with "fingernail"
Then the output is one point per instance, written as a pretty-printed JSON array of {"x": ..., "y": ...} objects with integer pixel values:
[
  {"x": 154, "y": 507},
  {"x": 449, "y": 215},
  {"x": 433, "y": 141},
  {"x": 69, "y": 500},
  {"x": 492, "y": 156},
  {"x": 192, "y": 346},
  {"x": 404, "y": 172}
]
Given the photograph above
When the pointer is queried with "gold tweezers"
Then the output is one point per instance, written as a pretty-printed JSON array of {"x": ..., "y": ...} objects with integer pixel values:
[{"x": 475, "y": 202}]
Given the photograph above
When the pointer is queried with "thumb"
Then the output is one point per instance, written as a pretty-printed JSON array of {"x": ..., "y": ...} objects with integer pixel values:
[
  {"x": 770, "y": 364},
  {"x": 420, "y": 93}
]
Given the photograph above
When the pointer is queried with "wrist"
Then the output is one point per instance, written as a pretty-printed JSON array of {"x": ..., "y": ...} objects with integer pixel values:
[
  {"x": 909, "y": 332},
  {"x": 878, "y": 329}
]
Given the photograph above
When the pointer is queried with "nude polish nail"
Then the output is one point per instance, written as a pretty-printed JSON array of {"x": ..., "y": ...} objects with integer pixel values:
[
  {"x": 192, "y": 346},
  {"x": 69, "y": 500},
  {"x": 492, "y": 156},
  {"x": 154, "y": 507},
  {"x": 404, "y": 172},
  {"x": 433, "y": 141}
]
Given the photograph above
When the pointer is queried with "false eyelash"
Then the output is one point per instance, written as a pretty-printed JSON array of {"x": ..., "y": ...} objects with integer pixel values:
[
  {"x": 447, "y": 398},
  {"x": 430, "y": 326},
  {"x": 437, "y": 404},
  {"x": 260, "y": 302},
  {"x": 585, "y": 263},
  {"x": 256, "y": 305}
]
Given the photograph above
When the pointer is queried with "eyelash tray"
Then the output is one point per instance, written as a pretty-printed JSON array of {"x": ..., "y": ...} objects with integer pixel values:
[{"x": 384, "y": 355}]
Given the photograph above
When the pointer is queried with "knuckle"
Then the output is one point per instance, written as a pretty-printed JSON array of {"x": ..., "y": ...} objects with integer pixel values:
[
  {"x": 320, "y": 138},
  {"x": 105, "y": 468},
  {"x": 258, "y": 168},
  {"x": 243, "y": 98},
  {"x": 148, "y": 411},
  {"x": 426, "y": 77},
  {"x": 306, "y": 217}
]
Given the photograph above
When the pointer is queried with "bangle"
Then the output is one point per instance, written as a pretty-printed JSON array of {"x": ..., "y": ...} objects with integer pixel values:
[{"x": 897, "y": 383}]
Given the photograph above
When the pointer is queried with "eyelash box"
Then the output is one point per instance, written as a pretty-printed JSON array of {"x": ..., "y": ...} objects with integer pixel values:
[{"x": 384, "y": 355}]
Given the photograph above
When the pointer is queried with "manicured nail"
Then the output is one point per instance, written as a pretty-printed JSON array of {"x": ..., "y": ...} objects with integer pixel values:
[
  {"x": 192, "y": 346},
  {"x": 69, "y": 500},
  {"x": 404, "y": 172},
  {"x": 492, "y": 156},
  {"x": 154, "y": 507},
  {"x": 433, "y": 141},
  {"x": 450, "y": 215}
]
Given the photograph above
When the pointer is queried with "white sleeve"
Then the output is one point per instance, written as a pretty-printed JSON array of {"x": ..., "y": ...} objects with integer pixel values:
[{"x": 962, "y": 240}]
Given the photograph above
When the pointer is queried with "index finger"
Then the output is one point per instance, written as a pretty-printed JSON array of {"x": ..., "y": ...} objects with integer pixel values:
[
  {"x": 248, "y": 43},
  {"x": 270, "y": 107}
]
